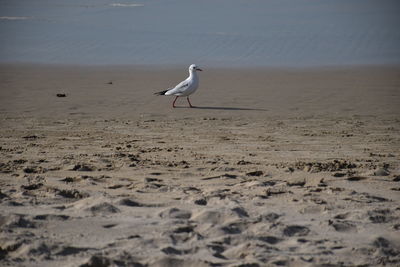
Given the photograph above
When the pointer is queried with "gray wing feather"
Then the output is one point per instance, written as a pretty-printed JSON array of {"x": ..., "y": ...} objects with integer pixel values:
[{"x": 180, "y": 88}]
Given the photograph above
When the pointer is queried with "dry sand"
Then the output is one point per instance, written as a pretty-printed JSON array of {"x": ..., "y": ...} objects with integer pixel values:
[{"x": 275, "y": 167}]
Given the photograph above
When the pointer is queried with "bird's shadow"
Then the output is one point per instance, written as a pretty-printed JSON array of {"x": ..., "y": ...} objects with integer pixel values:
[{"x": 223, "y": 108}]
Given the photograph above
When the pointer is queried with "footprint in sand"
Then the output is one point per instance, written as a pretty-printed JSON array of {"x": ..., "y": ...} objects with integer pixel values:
[
  {"x": 200, "y": 202},
  {"x": 103, "y": 208},
  {"x": 83, "y": 167},
  {"x": 97, "y": 260},
  {"x": 296, "y": 230},
  {"x": 176, "y": 262},
  {"x": 17, "y": 221},
  {"x": 129, "y": 202},
  {"x": 270, "y": 217},
  {"x": 175, "y": 213},
  {"x": 343, "y": 226},
  {"x": 32, "y": 186},
  {"x": 174, "y": 251},
  {"x": 69, "y": 250},
  {"x": 71, "y": 193},
  {"x": 272, "y": 240},
  {"x": 241, "y": 212},
  {"x": 234, "y": 228},
  {"x": 386, "y": 248},
  {"x": 51, "y": 217},
  {"x": 380, "y": 216}
]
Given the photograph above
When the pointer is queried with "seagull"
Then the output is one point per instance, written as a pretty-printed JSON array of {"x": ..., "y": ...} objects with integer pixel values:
[{"x": 185, "y": 88}]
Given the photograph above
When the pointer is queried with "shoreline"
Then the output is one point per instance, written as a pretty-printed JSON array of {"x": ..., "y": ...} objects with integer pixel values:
[{"x": 213, "y": 66}]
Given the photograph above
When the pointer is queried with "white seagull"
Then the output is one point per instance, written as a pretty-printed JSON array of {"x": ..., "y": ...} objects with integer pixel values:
[{"x": 185, "y": 88}]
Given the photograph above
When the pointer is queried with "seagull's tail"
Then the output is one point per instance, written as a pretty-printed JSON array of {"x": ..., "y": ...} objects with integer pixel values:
[{"x": 162, "y": 92}]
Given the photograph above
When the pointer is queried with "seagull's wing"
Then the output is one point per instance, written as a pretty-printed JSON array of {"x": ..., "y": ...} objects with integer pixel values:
[{"x": 180, "y": 88}]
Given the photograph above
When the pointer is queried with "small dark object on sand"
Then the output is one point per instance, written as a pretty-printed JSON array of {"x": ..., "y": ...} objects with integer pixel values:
[
  {"x": 61, "y": 95},
  {"x": 255, "y": 173},
  {"x": 356, "y": 178}
]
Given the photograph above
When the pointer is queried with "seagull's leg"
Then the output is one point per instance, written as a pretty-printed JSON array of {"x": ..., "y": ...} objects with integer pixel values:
[
  {"x": 173, "y": 103},
  {"x": 190, "y": 104}
]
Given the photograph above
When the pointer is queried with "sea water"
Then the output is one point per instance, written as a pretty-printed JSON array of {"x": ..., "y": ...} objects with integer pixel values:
[{"x": 235, "y": 33}]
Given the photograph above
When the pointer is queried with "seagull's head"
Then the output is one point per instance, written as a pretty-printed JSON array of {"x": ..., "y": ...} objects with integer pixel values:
[{"x": 193, "y": 67}]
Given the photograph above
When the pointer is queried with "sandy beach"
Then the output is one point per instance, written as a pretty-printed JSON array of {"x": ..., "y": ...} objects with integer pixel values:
[{"x": 274, "y": 167}]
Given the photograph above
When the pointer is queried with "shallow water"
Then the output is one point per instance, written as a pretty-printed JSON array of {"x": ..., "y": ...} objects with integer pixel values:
[{"x": 207, "y": 32}]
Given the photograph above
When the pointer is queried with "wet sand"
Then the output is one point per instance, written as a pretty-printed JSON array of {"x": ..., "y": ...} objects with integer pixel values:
[{"x": 286, "y": 167}]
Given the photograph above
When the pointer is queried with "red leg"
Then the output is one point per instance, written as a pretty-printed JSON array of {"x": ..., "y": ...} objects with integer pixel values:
[
  {"x": 173, "y": 103},
  {"x": 190, "y": 104}
]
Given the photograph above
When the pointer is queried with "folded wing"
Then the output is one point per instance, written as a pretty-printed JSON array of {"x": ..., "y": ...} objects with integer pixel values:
[{"x": 179, "y": 89}]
